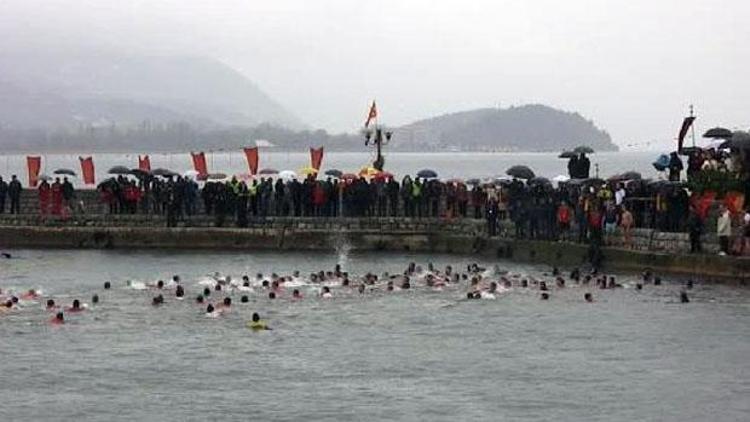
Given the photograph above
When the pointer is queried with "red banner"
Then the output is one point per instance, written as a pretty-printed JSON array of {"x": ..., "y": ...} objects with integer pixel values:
[
  {"x": 199, "y": 163},
  {"x": 34, "y": 164},
  {"x": 252, "y": 159},
  {"x": 316, "y": 158},
  {"x": 144, "y": 163},
  {"x": 87, "y": 170}
]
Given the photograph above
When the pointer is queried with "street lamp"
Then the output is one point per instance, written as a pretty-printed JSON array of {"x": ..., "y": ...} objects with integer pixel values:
[{"x": 378, "y": 137}]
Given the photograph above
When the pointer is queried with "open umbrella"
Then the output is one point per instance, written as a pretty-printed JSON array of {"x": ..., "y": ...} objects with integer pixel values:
[
  {"x": 427, "y": 174},
  {"x": 661, "y": 163},
  {"x": 163, "y": 172},
  {"x": 539, "y": 181},
  {"x": 67, "y": 172},
  {"x": 628, "y": 175},
  {"x": 333, "y": 173},
  {"x": 473, "y": 182},
  {"x": 521, "y": 172},
  {"x": 718, "y": 133},
  {"x": 268, "y": 171},
  {"x": 44, "y": 177},
  {"x": 215, "y": 176},
  {"x": 119, "y": 170},
  {"x": 740, "y": 140},
  {"x": 306, "y": 171},
  {"x": 583, "y": 149},
  {"x": 287, "y": 174},
  {"x": 567, "y": 154},
  {"x": 139, "y": 173}
]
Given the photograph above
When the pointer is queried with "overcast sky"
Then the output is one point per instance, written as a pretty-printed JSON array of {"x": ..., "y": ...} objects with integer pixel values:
[{"x": 632, "y": 66}]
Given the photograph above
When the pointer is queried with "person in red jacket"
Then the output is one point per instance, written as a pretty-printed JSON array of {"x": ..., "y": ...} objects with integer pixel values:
[
  {"x": 594, "y": 220},
  {"x": 563, "y": 220}
]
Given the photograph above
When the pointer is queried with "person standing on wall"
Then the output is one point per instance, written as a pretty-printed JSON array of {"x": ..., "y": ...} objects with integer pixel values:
[
  {"x": 3, "y": 194},
  {"x": 14, "y": 192},
  {"x": 724, "y": 229}
]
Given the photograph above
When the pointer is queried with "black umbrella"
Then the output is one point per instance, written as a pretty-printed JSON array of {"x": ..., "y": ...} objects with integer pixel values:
[
  {"x": 106, "y": 183},
  {"x": 539, "y": 181},
  {"x": 740, "y": 140},
  {"x": 593, "y": 181},
  {"x": 521, "y": 172},
  {"x": 567, "y": 154},
  {"x": 334, "y": 173},
  {"x": 718, "y": 133},
  {"x": 67, "y": 172},
  {"x": 583, "y": 149},
  {"x": 139, "y": 173},
  {"x": 119, "y": 170},
  {"x": 163, "y": 172},
  {"x": 427, "y": 174},
  {"x": 628, "y": 175},
  {"x": 213, "y": 176}
]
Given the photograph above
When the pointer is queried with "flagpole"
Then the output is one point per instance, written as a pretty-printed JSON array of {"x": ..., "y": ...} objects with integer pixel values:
[{"x": 692, "y": 127}]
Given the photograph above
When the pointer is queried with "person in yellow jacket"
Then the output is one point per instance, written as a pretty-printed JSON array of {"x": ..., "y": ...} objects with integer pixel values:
[{"x": 257, "y": 324}]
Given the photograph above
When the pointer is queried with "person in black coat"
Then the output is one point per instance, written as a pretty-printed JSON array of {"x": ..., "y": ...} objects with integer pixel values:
[
  {"x": 3, "y": 194},
  {"x": 14, "y": 192}
]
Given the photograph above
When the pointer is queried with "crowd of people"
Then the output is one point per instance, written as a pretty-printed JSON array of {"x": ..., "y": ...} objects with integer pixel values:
[{"x": 217, "y": 295}]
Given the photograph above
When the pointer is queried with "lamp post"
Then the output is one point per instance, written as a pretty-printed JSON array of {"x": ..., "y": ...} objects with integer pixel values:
[{"x": 379, "y": 138}]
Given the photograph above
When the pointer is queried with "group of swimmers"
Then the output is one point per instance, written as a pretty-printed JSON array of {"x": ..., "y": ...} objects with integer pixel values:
[{"x": 482, "y": 284}]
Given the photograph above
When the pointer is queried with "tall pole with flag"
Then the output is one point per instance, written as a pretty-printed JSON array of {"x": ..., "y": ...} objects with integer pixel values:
[{"x": 376, "y": 135}]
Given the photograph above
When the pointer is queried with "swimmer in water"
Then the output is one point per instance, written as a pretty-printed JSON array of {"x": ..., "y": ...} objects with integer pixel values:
[
  {"x": 406, "y": 285},
  {"x": 389, "y": 286},
  {"x": 179, "y": 291},
  {"x": 542, "y": 286},
  {"x": 296, "y": 295},
  {"x": 257, "y": 324},
  {"x": 95, "y": 299},
  {"x": 107, "y": 285},
  {"x": 588, "y": 297},
  {"x": 244, "y": 299},
  {"x": 31, "y": 294},
  {"x": 326, "y": 294},
  {"x": 227, "y": 302},
  {"x": 158, "y": 300},
  {"x": 51, "y": 305},
  {"x": 59, "y": 318},
  {"x": 272, "y": 295},
  {"x": 206, "y": 292},
  {"x": 638, "y": 286},
  {"x": 76, "y": 306},
  {"x": 545, "y": 296},
  {"x": 361, "y": 289},
  {"x": 199, "y": 299}
]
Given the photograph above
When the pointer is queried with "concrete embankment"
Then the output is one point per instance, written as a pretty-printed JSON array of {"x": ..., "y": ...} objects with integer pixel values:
[{"x": 389, "y": 234}]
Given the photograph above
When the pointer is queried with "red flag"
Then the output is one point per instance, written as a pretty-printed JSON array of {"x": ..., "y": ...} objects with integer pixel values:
[
  {"x": 702, "y": 203},
  {"x": 734, "y": 202},
  {"x": 373, "y": 114},
  {"x": 684, "y": 130},
  {"x": 252, "y": 159},
  {"x": 144, "y": 163},
  {"x": 199, "y": 163},
  {"x": 316, "y": 158},
  {"x": 34, "y": 164},
  {"x": 87, "y": 170}
]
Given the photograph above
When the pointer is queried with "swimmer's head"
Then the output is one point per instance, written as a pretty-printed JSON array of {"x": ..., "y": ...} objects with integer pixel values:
[
  {"x": 76, "y": 304},
  {"x": 199, "y": 299},
  {"x": 545, "y": 296},
  {"x": 107, "y": 285},
  {"x": 8, "y": 303},
  {"x": 218, "y": 287},
  {"x": 265, "y": 284},
  {"x": 326, "y": 289},
  {"x": 295, "y": 293},
  {"x": 206, "y": 292},
  {"x": 684, "y": 297},
  {"x": 588, "y": 297},
  {"x": 361, "y": 288},
  {"x": 272, "y": 295},
  {"x": 160, "y": 284},
  {"x": 176, "y": 278},
  {"x": 227, "y": 301},
  {"x": 50, "y": 303},
  {"x": 244, "y": 299},
  {"x": 95, "y": 298},
  {"x": 209, "y": 308},
  {"x": 245, "y": 283},
  {"x": 59, "y": 316},
  {"x": 256, "y": 317},
  {"x": 639, "y": 286}
]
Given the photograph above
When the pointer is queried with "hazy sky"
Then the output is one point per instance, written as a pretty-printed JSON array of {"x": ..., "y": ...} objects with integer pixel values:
[{"x": 632, "y": 66}]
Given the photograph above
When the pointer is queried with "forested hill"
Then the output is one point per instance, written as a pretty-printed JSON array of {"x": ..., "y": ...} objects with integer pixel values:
[{"x": 525, "y": 128}]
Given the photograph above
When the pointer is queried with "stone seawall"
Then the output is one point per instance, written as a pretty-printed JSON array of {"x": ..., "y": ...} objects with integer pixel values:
[{"x": 387, "y": 234}]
